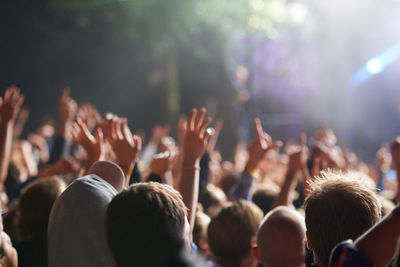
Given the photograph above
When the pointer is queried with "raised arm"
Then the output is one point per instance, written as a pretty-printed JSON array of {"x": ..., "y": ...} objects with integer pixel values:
[
  {"x": 67, "y": 108},
  {"x": 194, "y": 145},
  {"x": 9, "y": 108},
  {"x": 258, "y": 147},
  {"x": 297, "y": 162},
  {"x": 379, "y": 243}
]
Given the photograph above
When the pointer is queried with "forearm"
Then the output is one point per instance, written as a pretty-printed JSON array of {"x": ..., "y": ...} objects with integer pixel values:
[
  {"x": 6, "y": 132},
  {"x": 379, "y": 244},
  {"x": 306, "y": 176},
  {"x": 283, "y": 198},
  {"x": 189, "y": 188},
  {"x": 64, "y": 128},
  {"x": 241, "y": 189},
  {"x": 127, "y": 169}
]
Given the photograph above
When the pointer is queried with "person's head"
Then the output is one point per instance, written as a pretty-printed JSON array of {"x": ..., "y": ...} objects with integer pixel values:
[
  {"x": 232, "y": 233},
  {"x": 338, "y": 208},
  {"x": 35, "y": 205},
  {"x": 281, "y": 238},
  {"x": 200, "y": 233},
  {"x": 264, "y": 198},
  {"x": 146, "y": 225},
  {"x": 213, "y": 200}
]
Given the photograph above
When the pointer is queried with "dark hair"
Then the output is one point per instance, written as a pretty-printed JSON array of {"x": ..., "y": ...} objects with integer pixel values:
[{"x": 145, "y": 225}]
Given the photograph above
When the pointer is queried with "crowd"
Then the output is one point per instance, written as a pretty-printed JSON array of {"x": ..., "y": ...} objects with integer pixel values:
[{"x": 87, "y": 191}]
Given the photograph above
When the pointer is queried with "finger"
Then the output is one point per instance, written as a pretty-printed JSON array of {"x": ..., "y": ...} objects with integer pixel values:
[
  {"x": 98, "y": 135},
  {"x": 138, "y": 142},
  {"x": 191, "y": 119},
  {"x": 204, "y": 125},
  {"x": 199, "y": 119},
  {"x": 65, "y": 93},
  {"x": 113, "y": 130},
  {"x": 15, "y": 95},
  {"x": 19, "y": 102},
  {"x": 7, "y": 94},
  {"x": 258, "y": 129},
  {"x": 315, "y": 167},
  {"x": 84, "y": 130},
  {"x": 125, "y": 130},
  {"x": 76, "y": 133},
  {"x": 119, "y": 129},
  {"x": 303, "y": 139}
]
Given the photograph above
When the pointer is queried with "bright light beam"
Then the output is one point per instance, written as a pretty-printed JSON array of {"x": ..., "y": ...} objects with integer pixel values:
[{"x": 375, "y": 65}]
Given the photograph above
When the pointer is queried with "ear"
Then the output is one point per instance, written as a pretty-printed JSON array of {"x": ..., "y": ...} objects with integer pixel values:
[
  {"x": 256, "y": 253},
  {"x": 254, "y": 249},
  {"x": 309, "y": 244}
]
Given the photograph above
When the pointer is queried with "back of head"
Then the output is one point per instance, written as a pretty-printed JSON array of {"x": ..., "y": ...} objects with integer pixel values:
[
  {"x": 145, "y": 225},
  {"x": 264, "y": 198},
  {"x": 281, "y": 238},
  {"x": 35, "y": 205},
  {"x": 76, "y": 232},
  {"x": 339, "y": 207},
  {"x": 231, "y": 232},
  {"x": 34, "y": 209}
]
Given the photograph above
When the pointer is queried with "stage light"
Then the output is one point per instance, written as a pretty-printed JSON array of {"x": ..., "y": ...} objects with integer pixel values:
[{"x": 374, "y": 66}]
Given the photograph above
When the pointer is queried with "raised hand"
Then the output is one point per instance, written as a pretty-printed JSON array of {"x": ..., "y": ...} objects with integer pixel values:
[
  {"x": 10, "y": 105},
  {"x": 125, "y": 146},
  {"x": 67, "y": 107},
  {"x": 93, "y": 145},
  {"x": 196, "y": 138},
  {"x": 162, "y": 164},
  {"x": 259, "y": 146},
  {"x": 194, "y": 144},
  {"x": 298, "y": 154},
  {"x": 89, "y": 115},
  {"x": 9, "y": 108},
  {"x": 67, "y": 110}
]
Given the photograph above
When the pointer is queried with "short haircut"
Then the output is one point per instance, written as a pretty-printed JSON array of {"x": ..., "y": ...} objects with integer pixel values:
[
  {"x": 145, "y": 225},
  {"x": 281, "y": 238},
  {"x": 264, "y": 198},
  {"x": 230, "y": 232},
  {"x": 338, "y": 208}
]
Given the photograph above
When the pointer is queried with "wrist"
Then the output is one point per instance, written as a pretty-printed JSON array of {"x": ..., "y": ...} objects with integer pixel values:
[
  {"x": 191, "y": 162},
  {"x": 5, "y": 124},
  {"x": 127, "y": 170},
  {"x": 251, "y": 167}
]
